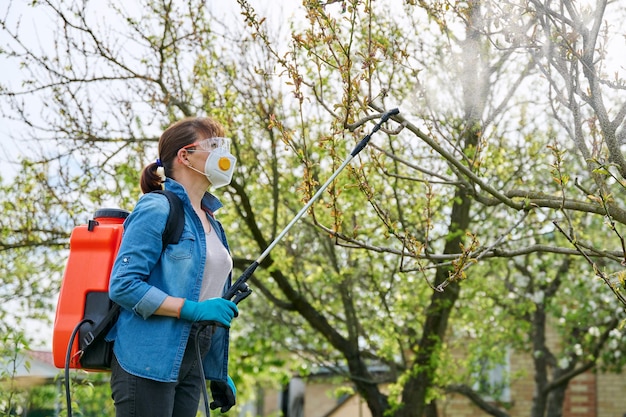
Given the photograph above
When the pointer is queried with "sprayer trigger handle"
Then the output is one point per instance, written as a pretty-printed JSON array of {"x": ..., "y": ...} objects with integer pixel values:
[{"x": 242, "y": 294}]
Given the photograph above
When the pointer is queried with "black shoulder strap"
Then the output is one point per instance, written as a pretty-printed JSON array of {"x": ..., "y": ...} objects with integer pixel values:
[{"x": 176, "y": 219}]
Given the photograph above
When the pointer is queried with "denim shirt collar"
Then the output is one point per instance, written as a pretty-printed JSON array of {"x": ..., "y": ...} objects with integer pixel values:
[{"x": 209, "y": 201}]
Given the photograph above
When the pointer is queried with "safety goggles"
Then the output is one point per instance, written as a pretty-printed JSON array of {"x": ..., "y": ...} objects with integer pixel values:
[{"x": 209, "y": 145}]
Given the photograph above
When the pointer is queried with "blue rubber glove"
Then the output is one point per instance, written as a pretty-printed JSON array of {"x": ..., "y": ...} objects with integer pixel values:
[
  {"x": 224, "y": 394},
  {"x": 214, "y": 309}
]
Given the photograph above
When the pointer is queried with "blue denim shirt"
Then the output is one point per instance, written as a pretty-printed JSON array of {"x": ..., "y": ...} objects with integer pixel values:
[{"x": 148, "y": 345}]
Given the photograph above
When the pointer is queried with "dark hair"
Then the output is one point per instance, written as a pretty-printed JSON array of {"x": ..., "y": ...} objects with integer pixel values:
[{"x": 181, "y": 133}]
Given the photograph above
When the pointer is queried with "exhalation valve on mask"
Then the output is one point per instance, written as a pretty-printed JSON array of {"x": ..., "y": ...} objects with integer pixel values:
[{"x": 219, "y": 167}]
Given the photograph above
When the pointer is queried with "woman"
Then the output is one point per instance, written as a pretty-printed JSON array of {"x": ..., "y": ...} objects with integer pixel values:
[{"x": 165, "y": 293}]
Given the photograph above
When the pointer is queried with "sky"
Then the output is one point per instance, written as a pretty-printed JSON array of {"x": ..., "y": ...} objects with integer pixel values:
[{"x": 35, "y": 29}]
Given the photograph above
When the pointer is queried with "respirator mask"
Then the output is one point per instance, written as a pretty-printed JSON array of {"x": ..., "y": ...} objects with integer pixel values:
[{"x": 220, "y": 165}]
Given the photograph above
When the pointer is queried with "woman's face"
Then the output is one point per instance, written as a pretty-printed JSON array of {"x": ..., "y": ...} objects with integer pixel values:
[{"x": 213, "y": 155}]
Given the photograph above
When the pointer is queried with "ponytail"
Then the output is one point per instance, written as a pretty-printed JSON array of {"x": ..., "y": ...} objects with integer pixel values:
[{"x": 152, "y": 177}]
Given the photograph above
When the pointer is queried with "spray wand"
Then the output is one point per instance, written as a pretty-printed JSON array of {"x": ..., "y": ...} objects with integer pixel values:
[{"x": 240, "y": 289}]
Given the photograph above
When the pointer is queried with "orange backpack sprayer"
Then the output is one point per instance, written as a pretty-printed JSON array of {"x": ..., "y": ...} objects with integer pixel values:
[{"x": 84, "y": 290}]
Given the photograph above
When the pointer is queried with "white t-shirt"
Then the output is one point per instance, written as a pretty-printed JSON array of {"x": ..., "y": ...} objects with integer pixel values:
[{"x": 218, "y": 265}]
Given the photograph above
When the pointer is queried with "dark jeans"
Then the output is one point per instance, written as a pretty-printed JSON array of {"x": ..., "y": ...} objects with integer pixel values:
[{"x": 141, "y": 397}]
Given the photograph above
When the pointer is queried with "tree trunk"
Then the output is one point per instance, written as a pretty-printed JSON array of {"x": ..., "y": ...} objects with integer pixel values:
[
  {"x": 415, "y": 392},
  {"x": 556, "y": 399},
  {"x": 540, "y": 359}
]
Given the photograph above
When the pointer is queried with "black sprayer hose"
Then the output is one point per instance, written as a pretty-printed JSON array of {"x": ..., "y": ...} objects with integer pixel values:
[
  {"x": 68, "y": 357},
  {"x": 205, "y": 394}
]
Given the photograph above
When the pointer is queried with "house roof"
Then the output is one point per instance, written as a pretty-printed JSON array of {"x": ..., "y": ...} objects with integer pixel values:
[{"x": 30, "y": 368}]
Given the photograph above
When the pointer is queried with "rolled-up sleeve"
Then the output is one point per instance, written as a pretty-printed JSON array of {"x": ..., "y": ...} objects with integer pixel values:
[{"x": 150, "y": 302}]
